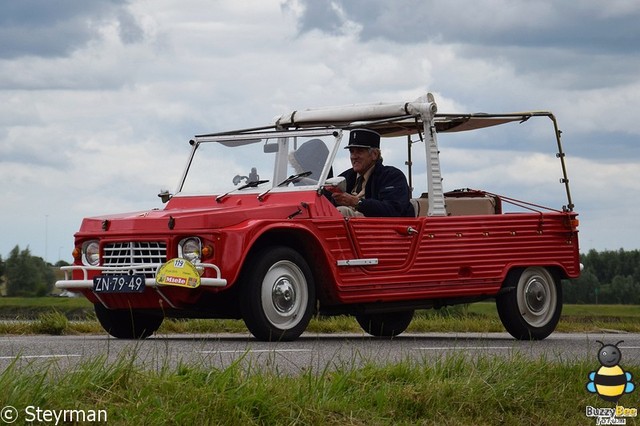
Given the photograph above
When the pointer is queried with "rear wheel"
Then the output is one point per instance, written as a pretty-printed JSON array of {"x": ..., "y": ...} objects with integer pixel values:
[
  {"x": 278, "y": 294},
  {"x": 127, "y": 323},
  {"x": 530, "y": 309},
  {"x": 387, "y": 324}
]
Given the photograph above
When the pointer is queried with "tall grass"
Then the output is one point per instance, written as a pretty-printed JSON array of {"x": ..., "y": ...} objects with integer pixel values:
[{"x": 453, "y": 390}]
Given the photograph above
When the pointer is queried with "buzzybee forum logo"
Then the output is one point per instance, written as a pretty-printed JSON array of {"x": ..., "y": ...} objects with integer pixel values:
[{"x": 610, "y": 382}]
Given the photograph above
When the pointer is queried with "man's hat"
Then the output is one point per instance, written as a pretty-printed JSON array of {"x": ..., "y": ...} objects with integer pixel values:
[{"x": 363, "y": 138}]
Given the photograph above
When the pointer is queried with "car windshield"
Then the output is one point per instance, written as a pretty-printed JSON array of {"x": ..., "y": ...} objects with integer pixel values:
[{"x": 220, "y": 167}]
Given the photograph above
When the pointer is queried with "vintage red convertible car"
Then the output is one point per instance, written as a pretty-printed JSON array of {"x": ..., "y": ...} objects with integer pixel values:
[{"x": 252, "y": 218}]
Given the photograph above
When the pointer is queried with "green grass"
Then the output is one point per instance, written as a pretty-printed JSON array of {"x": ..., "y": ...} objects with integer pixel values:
[
  {"x": 453, "y": 390},
  {"x": 44, "y": 302},
  {"x": 477, "y": 317},
  {"x": 17, "y": 308}
]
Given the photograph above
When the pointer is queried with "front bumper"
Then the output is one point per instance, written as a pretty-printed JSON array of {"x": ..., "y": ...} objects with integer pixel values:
[{"x": 87, "y": 284}]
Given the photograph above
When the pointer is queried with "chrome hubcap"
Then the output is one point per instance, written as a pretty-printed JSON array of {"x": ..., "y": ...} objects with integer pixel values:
[
  {"x": 283, "y": 295},
  {"x": 535, "y": 296}
]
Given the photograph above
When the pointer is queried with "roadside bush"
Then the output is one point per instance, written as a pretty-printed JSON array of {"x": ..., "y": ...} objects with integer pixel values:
[{"x": 53, "y": 323}]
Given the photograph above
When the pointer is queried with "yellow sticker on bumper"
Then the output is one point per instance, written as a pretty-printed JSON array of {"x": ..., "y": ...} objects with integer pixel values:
[{"x": 178, "y": 272}]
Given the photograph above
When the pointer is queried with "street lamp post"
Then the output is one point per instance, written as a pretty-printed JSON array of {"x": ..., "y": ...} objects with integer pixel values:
[{"x": 46, "y": 236}]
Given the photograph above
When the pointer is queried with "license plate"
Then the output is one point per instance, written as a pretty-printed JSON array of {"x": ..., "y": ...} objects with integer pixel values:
[{"x": 119, "y": 283}]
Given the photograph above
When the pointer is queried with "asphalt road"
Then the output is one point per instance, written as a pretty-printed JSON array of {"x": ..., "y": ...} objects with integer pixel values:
[{"x": 316, "y": 352}]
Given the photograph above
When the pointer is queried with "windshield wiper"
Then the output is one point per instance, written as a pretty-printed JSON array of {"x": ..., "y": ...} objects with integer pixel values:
[
  {"x": 294, "y": 178},
  {"x": 287, "y": 181},
  {"x": 250, "y": 184}
]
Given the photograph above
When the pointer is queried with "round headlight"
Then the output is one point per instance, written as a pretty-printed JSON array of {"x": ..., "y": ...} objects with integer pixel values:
[
  {"x": 191, "y": 249},
  {"x": 91, "y": 253}
]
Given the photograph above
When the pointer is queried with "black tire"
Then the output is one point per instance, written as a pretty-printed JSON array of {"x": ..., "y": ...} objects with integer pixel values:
[
  {"x": 531, "y": 306},
  {"x": 126, "y": 323},
  {"x": 278, "y": 294},
  {"x": 387, "y": 324}
]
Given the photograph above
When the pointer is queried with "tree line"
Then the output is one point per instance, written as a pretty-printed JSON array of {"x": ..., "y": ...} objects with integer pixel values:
[
  {"x": 609, "y": 277},
  {"x": 25, "y": 275}
]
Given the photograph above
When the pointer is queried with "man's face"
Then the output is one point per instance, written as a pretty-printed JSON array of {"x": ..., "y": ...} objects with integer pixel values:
[{"x": 361, "y": 159}]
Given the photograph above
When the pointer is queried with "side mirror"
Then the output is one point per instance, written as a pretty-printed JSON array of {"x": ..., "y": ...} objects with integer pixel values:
[
  {"x": 270, "y": 147},
  {"x": 165, "y": 195}
]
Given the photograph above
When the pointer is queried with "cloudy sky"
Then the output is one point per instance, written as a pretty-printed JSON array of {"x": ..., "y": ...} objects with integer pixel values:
[{"x": 98, "y": 98}]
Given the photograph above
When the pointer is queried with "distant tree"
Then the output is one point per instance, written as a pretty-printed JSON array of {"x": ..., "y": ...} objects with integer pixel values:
[
  {"x": 26, "y": 275},
  {"x": 2, "y": 268},
  {"x": 584, "y": 289},
  {"x": 60, "y": 263},
  {"x": 622, "y": 290}
]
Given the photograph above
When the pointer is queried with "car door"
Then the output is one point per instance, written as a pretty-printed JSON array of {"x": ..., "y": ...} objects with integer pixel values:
[{"x": 389, "y": 244}]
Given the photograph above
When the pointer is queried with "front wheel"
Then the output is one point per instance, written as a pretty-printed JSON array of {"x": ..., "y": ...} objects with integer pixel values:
[
  {"x": 387, "y": 324},
  {"x": 127, "y": 323},
  {"x": 278, "y": 294},
  {"x": 531, "y": 306}
]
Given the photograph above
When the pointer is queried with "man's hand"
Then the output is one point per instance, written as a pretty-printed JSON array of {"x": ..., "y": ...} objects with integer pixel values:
[{"x": 346, "y": 199}]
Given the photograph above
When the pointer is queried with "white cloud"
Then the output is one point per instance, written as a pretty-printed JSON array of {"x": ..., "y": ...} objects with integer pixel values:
[{"x": 99, "y": 123}]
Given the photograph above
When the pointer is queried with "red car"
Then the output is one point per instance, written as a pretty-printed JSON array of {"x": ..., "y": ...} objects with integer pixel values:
[{"x": 251, "y": 232}]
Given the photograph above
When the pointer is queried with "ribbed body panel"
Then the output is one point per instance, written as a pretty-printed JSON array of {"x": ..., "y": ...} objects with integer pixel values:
[{"x": 450, "y": 256}]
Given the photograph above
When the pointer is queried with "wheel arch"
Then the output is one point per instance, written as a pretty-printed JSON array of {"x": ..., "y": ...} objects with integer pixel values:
[
  {"x": 307, "y": 245},
  {"x": 556, "y": 270}
]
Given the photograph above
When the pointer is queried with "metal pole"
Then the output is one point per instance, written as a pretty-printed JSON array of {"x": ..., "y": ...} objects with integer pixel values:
[{"x": 409, "y": 163}]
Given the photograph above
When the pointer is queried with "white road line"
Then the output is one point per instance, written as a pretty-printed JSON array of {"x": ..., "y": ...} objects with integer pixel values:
[
  {"x": 39, "y": 356},
  {"x": 460, "y": 348},
  {"x": 242, "y": 351}
]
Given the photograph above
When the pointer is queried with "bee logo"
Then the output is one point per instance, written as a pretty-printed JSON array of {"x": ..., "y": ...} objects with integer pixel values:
[{"x": 610, "y": 382}]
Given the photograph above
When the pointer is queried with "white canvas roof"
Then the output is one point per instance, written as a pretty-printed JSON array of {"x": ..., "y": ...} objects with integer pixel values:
[{"x": 395, "y": 119}]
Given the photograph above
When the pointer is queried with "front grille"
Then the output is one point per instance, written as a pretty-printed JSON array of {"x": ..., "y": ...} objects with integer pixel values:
[{"x": 135, "y": 253}]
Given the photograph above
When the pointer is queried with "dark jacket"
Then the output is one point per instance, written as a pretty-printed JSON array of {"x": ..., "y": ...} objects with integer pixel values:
[{"x": 386, "y": 193}]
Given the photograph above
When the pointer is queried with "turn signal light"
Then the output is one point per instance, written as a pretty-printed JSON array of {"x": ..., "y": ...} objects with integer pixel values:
[
  {"x": 207, "y": 251},
  {"x": 76, "y": 253}
]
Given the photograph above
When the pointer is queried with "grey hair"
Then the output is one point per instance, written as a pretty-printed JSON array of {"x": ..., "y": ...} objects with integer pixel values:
[{"x": 378, "y": 153}]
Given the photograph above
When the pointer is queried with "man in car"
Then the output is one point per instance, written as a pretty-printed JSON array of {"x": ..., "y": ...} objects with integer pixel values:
[{"x": 373, "y": 189}]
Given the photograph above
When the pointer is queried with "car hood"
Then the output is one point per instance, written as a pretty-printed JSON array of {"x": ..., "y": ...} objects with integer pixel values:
[{"x": 202, "y": 212}]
